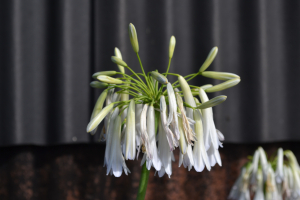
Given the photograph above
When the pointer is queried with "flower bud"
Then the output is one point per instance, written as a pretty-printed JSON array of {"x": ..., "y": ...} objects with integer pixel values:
[
  {"x": 211, "y": 56},
  {"x": 107, "y": 73},
  {"x": 172, "y": 46},
  {"x": 98, "y": 118},
  {"x": 212, "y": 102},
  {"x": 119, "y": 55},
  {"x": 118, "y": 61},
  {"x": 133, "y": 38},
  {"x": 98, "y": 106},
  {"x": 204, "y": 87},
  {"x": 224, "y": 86},
  {"x": 107, "y": 79},
  {"x": 159, "y": 77},
  {"x": 224, "y": 76},
  {"x": 99, "y": 85},
  {"x": 188, "y": 97}
]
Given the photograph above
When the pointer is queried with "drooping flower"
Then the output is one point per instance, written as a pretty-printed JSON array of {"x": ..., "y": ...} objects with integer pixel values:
[
  {"x": 154, "y": 160},
  {"x": 113, "y": 155},
  {"x": 165, "y": 154}
]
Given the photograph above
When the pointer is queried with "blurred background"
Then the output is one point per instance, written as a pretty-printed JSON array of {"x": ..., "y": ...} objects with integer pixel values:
[{"x": 50, "y": 48}]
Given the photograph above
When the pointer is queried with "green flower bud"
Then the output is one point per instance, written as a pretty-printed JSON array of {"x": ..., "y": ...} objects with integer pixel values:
[
  {"x": 107, "y": 73},
  {"x": 118, "y": 61},
  {"x": 188, "y": 97},
  {"x": 204, "y": 87},
  {"x": 119, "y": 55},
  {"x": 99, "y": 85},
  {"x": 159, "y": 77},
  {"x": 211, "y": 56},
  {"x": 133, "y": 38},
  {"x": 172, "y": 46},
  {"x": 212, "y": 102},
  {"x": 224, "y": 76},
  {"x": 99, "y": 117},
  {"x": 107, "y": 79},
  {"x": 224, "y": 86},
  {"x": 98, "y": 107}
]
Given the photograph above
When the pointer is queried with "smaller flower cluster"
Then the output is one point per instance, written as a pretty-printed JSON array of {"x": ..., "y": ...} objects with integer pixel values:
[{"x": 276, "y": 179}]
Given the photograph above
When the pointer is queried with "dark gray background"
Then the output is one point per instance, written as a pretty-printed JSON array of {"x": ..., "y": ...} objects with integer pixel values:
[{"x": 49, "y": 50}]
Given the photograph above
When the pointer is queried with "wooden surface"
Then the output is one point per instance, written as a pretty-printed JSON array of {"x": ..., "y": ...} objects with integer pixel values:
[{"x": 75, "y": 172}]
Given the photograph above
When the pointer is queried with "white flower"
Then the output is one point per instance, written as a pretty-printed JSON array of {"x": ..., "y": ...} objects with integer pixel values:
[
  {"x": 144, "y": 135},
  {"x": 187, "y": 159},
  {"x": 263, "y": 162},
  {"x": 165, "y": 154},
  {"x": 173, "y": 142},
  {"x": 138, "y": 111},
  {"x": 154, "y": 160},
  {"x": 271, "y": 188},
  {"x": 199, "y": 151},
  {"x": 184, "y": 123},
  {"x": 210, "y": 132},
  {"x": 279, "y": 169},
  {"x": 259, "y": 194},
  {"x": 113, "y": 155},
  {"x": 255, "y": 167},
  {"x": 130, "y": 133}
]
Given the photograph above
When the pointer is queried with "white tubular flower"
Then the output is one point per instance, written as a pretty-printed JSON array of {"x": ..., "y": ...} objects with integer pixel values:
[
  {"x": 184, "y": 123},
  {"x": 165, "y": 154},
  {"x": 285, "y": 184},
  {"x": 214, "y": 156},
  {"x": 255, "y": 167},
  {"x": 183, "y": 143},
  {"x": 235, "y": 190},
  {"x": 173, "y": 142},
  {"x": 279, "y": 167},
  {"x": 199, "y": 151},
  {"x": 187, "y": 159},
  {"x": 115, "y": 160},
  {"x": 259, "y": 195},
  {"x": 144, "y": 135},
  {"x": 210, "y": 133},
  {"x": 173, "y": 110},
  {"x": 271, "y": 189},
  {"x": 240, "y": 190},
  {"x": 138, "y": 111},
  {"x": 155, "y": 161},
  {"x": 263, "y": 162},
  {"x": 130, "y": 133}
]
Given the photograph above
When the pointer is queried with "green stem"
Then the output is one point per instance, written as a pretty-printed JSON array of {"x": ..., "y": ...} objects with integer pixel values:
[
  {"x": 168, "y": 67},
  {"x": 143, "y": 183}
]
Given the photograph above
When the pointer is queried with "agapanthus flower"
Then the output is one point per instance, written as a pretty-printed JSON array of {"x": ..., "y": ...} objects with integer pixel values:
[
  {"x": 267, "y": 184},
  {"x": 145, "y": 113}
]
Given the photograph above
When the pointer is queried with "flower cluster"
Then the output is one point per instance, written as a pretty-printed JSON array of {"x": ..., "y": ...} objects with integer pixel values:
[
  {"x": 275, "y": 179},
  {"x": 146, "y": 113}
]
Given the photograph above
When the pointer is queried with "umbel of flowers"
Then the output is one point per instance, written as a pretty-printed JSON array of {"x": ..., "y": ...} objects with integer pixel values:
[
  {"x": 145, "y": 113},
  {"x": 275, "y": 179}
]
